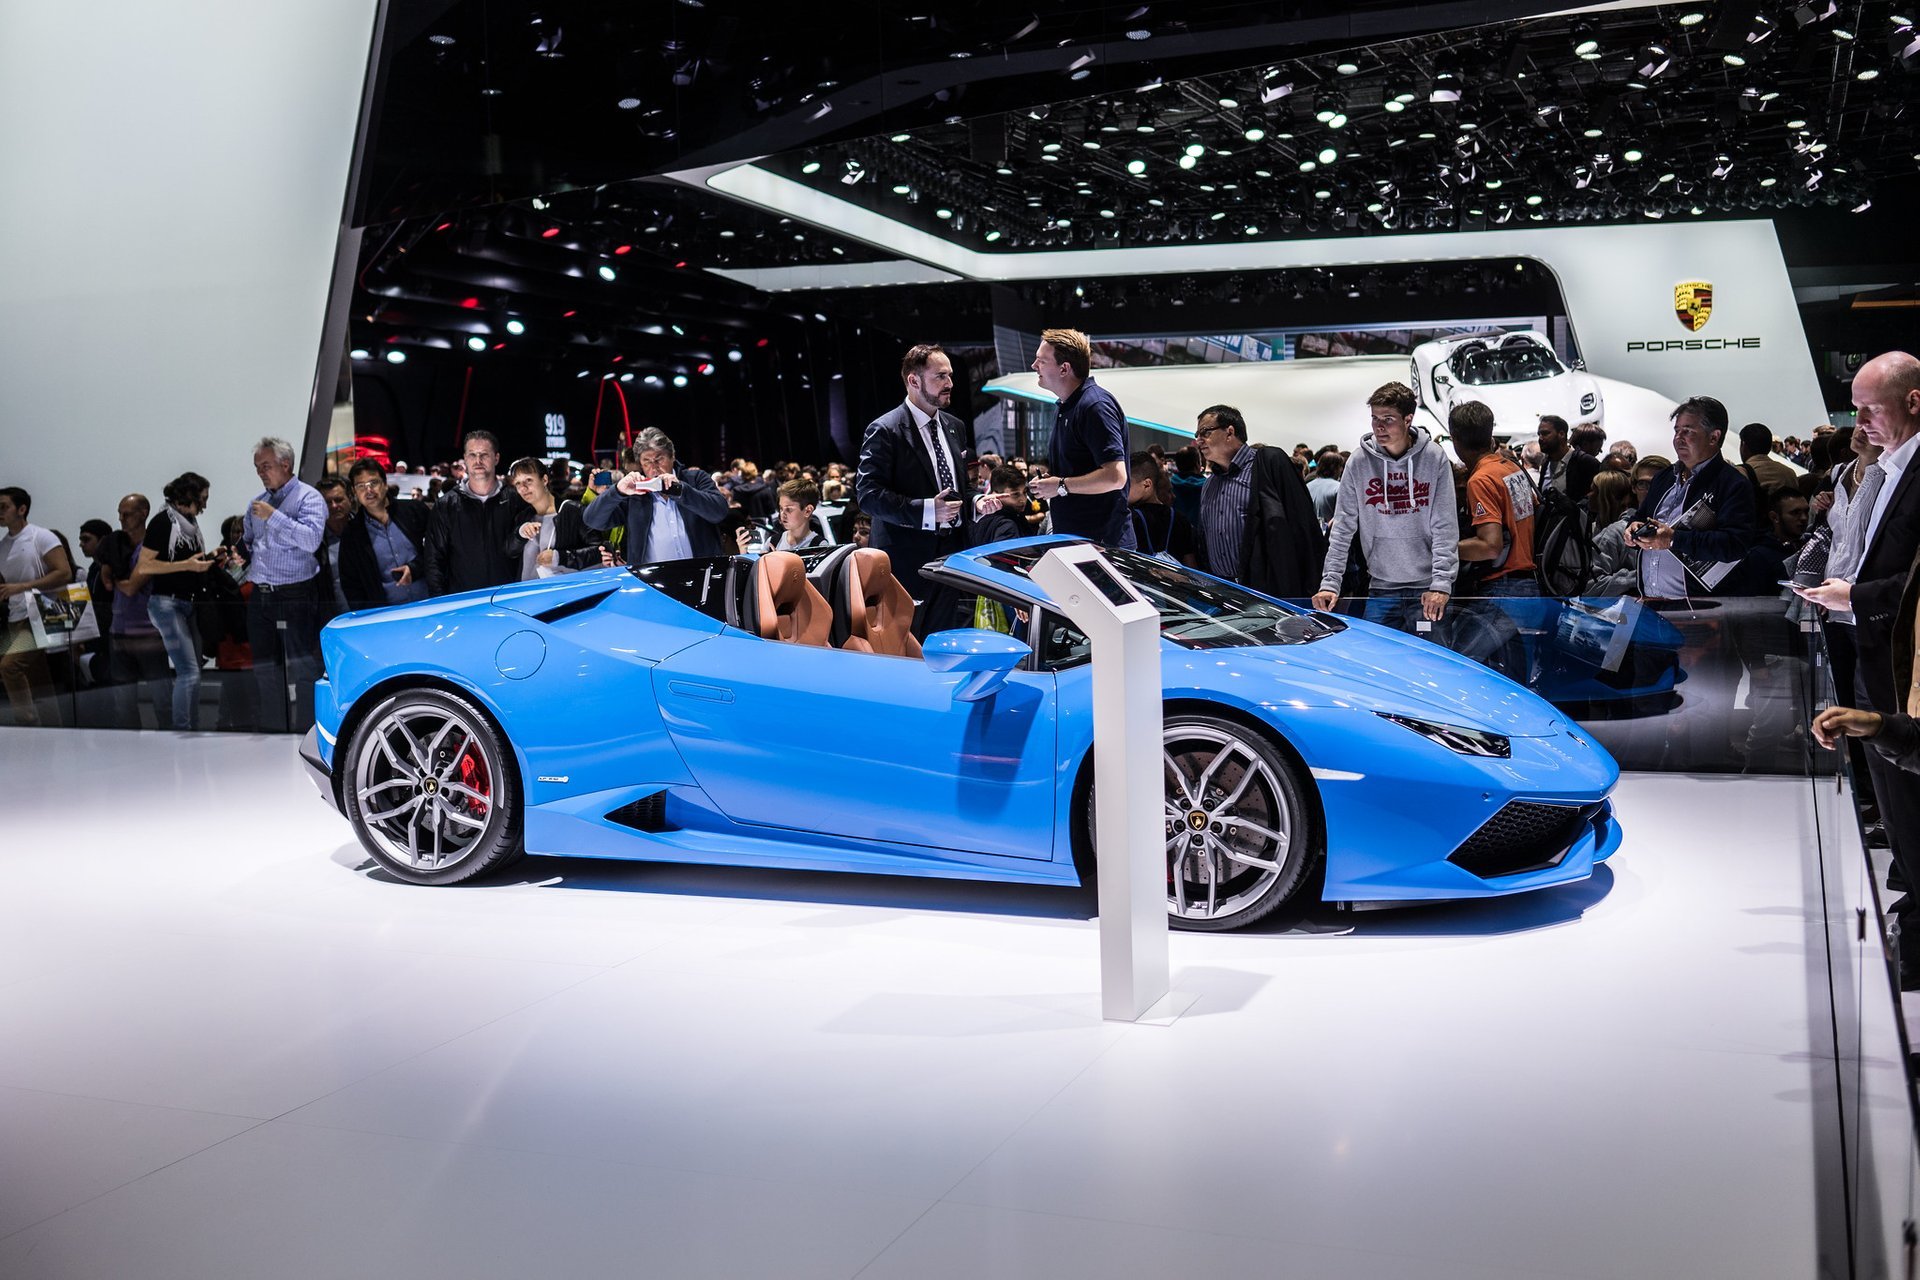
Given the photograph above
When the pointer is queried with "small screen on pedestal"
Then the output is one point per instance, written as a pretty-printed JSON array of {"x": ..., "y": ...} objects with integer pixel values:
[{"x": 1105, "y": 583}]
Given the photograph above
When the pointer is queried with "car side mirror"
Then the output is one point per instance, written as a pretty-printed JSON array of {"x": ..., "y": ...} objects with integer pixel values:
[
  {"x": 1440, "y": 376},
  {"x": 1580, "y": 364},
  {"x": 986, "y": 658}
]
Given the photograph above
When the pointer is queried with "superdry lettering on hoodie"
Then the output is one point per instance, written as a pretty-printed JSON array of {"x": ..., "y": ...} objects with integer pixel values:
[{"x": 1402, "y": 509}]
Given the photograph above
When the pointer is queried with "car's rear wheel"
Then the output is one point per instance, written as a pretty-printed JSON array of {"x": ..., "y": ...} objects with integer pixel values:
[
  {"x": 1241, "y": 836},
  {"x": 430, "y": 789}
]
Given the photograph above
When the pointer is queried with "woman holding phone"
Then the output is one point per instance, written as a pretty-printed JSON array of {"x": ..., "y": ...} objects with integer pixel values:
[
  {"x": 381, "y": 542},
  {"x": 174, "y": 561}
]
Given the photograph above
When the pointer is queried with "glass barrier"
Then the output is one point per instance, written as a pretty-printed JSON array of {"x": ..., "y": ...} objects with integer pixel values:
[{"x": 1700, "y": 686}]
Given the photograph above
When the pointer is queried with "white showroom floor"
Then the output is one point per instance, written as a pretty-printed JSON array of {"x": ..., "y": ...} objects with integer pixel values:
[{"x": 227, "y": 1050}]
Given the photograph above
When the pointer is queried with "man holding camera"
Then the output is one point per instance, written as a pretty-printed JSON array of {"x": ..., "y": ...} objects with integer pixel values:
[
  {"x": 912, "y": 475},
  {"x": 1723, "y": 530},
  {"x": 671, "y": 512}
]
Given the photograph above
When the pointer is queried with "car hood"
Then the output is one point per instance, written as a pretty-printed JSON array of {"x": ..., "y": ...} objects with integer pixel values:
[{"x": 1374, "y": 668}]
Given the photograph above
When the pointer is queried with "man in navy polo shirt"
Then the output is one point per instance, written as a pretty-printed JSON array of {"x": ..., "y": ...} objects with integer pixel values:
[{"x": 1087, "y": 491}]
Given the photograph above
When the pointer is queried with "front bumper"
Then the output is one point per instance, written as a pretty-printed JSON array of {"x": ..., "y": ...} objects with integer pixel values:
[{"x": 317, "y": 768}]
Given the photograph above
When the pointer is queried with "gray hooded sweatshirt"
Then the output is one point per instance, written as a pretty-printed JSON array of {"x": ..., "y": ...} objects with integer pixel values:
[{"x": 1403, "y": 510}]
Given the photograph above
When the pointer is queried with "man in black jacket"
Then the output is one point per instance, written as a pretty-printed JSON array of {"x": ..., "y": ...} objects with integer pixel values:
[
  {"x": 1256, "y": 517},
  {"x": 671, "y": 512},
  {"x": 1886, "y": 402},
  {"x": 912, "y": 476},
  {"x": 1682, "y": 554},
  {"x": 467, "y": 536},
  {"x": 380, "y": 547}
]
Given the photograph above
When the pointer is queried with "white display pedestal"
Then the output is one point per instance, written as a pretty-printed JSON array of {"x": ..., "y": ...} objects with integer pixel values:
[{"x": 1129, "y": 786}]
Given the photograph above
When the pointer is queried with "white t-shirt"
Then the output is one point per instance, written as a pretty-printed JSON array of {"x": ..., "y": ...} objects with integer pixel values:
[{"x": 23, "y": 558}]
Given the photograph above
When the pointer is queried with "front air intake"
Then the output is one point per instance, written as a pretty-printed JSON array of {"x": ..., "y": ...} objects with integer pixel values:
[{"x": 1524, "y": 836}]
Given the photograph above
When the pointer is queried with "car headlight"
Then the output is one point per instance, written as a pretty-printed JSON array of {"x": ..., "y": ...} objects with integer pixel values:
[
  {"x": 1589, "y": 402},
  {"x": 1466, "y": 742}
]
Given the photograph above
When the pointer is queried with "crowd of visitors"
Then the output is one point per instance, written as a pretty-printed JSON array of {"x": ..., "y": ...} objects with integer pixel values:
[{"x": 1392, "y": 522}]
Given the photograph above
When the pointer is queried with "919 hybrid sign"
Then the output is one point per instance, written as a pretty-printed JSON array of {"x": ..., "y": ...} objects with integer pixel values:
[{"x": 1693, "y": 307}]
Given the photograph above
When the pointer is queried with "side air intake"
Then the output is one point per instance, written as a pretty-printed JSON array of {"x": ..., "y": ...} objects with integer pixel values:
[
  {"x": 648, "y": 813},
  {"x": 572, "y": 607}
]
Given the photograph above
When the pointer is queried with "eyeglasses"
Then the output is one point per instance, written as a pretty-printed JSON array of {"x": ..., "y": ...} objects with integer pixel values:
[
  {"x": 369, "y": 486},
  {"x": 1204, "y": 432}
]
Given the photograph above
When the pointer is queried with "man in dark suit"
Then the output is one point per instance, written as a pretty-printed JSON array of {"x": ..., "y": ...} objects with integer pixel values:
[
  {"x": 1886, "y": 402},
  {"x": 912, "y": 477},
  {"x": 671, "y": 512}
]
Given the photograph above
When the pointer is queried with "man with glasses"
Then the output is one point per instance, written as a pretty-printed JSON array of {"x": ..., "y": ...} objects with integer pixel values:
[
  {"x": 1684, "y": 552},
  {"x": 671, "y": 512},
  {"x": 380, "y": 547},
  {"x": 1256, "y": 516}
]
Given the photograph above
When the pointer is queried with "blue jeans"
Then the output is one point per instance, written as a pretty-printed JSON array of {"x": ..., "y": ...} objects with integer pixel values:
[{"x": 173, "y": 618}]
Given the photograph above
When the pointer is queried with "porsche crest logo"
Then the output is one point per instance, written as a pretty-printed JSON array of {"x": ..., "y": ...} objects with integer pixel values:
[{"x": 1693, "y": 303}]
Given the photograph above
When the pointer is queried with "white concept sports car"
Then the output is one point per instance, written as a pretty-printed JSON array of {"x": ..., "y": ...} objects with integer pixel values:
[{"x": 1516, "y": 374}]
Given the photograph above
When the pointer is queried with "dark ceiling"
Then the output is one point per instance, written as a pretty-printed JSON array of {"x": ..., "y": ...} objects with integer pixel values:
[{"x": 515, "y": 152}]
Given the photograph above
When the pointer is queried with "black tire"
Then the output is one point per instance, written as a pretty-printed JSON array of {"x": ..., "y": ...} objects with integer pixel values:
[
  {"x": 430, "y": 788},
  {"x": 1274, "y": 799}
]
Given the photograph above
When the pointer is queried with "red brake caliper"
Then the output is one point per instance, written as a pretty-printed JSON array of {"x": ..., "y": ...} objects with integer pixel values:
[{"x": 473, "y": 774}]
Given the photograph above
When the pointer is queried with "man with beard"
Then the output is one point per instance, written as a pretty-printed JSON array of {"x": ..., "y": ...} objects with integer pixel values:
[{"x": 911, "y": 478}]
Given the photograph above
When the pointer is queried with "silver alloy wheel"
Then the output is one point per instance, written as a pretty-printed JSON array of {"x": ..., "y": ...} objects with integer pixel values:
[
  {"x": 425, "y": 787},
  {"x": 1228, "y": 823}
]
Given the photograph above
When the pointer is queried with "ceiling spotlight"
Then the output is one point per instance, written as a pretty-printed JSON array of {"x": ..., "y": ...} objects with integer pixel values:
[
  {"x": 626, "y": 377},
  {"x": 1843, "y": 33},
  {"x": 606, "y": 272},
  {"x": 1187, "y": 162},
  {"x": 476, "y": 343},
  {"x": 1196, "y": 150},
  {"x": 1797, "y": 123},
  {"x": 1632, "y": 155},
  {"x": 901, "y": 189},
  {"x": 1733, "y": 60},
  {"x": 992, "y": 236},
  {"x": 1255, "y": 130},
  {"x": 1338, "y": 120},
  {"x": 442, "y": 41},
  {"x": 396, "y": 356},
  {"x": 1693, "y": 19},
  {"x": 811, "y": 166},
  {"x": 943, "y": 214},
  {"x": 1666, "y": 177},
  {"x": 1768, "y": 181},
  {"x": 734, "y": 356},
  {"x": 358, "y": 353},
  {"x": 1394, "y": 105},
  {"x": 652, "y": 380},
  {"x": 1307, "y": 166},
  {"x": 516, "y": 328},
  {"x": 1654, "y": 61},
  {"x": 1863, "y": 206},
  {"x": 1138, "y": 166},
  {"x": 1592, "y": 133},
  {"x": 1347, "y": 68},
  {"x": 1587, "y": 48},
  {"x": 899, "y": 137},
  {"x": 1870, "y": 73},
  {"x": 1328, "y": 155},
  {"x": 1536, "y": 200},
  {"x": 854, "y": 172},
  {"x": 1229, "y": 103},
  {"x": 627, "y": 104},
  {"x": 679, "y": 379}
]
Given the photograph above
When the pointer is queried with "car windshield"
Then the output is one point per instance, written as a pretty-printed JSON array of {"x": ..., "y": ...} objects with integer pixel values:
[
  {"x": 1196, "y": 611},
  {"x": 1477, "y": 366}
]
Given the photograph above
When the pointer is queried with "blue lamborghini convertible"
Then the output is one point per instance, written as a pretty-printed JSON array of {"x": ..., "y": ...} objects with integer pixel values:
[{"x": 777, "y": 711}]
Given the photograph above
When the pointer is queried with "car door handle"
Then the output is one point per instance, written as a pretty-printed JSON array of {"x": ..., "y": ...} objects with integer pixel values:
[{"x": 704, "y": 692}]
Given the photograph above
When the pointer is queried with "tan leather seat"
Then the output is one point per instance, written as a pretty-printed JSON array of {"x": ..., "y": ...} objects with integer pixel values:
[
  {"x": 784, "y": 604},
  {"x": 879, "y": 612}
]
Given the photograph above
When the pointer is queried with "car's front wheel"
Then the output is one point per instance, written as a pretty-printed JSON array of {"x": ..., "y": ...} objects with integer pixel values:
[
  {"x": 430, "y": 789},
  {"x": 1241, "y": 836}
]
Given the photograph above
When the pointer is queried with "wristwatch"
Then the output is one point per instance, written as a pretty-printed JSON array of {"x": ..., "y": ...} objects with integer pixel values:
[{"x": 1061, "y": 491}]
